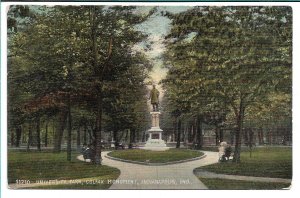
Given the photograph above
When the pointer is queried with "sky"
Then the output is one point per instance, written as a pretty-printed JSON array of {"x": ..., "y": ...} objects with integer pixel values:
[{"x": 157, "y": 27}]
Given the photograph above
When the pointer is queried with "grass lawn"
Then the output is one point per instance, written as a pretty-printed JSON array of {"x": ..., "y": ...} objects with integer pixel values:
[
  {"x": 265, "y": 162},
  {"x": 141, "y": 155},
  {"x": 35, "y": 166},
  {"x": 216, "y": 148},
  {"x": 227, "y": 184}
]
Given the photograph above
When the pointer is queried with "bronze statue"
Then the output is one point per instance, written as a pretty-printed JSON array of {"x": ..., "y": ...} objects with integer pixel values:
[{"x": 154, "y": 94}]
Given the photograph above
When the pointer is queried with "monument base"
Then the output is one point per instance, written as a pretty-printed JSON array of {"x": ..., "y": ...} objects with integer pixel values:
[
  {"x": 155, "y": 145},
  {"x": 155, "y": 141}
]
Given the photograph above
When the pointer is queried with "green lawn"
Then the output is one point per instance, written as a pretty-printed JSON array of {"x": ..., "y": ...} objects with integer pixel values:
[
  {"x": 265, "y": 162},
  {"x": 35, "y": 166},
  {"x": 141, "y": 155},
  {"x": 216, "y": 148},
  {"x": 227, "y": 184}
]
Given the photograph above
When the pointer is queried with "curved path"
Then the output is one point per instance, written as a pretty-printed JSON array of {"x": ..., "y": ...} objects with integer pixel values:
[{"x": 174, "y": 176}]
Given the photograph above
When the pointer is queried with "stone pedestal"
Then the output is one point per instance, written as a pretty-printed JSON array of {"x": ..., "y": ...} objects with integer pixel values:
[{"x": 155, "y": 141}]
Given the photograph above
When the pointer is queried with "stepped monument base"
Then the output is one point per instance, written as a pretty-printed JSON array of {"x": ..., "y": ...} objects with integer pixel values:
[{"x": 155, "y": 141}]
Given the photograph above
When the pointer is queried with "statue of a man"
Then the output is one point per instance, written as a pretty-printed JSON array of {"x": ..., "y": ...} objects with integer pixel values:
[{"x": 154, "y": 94}]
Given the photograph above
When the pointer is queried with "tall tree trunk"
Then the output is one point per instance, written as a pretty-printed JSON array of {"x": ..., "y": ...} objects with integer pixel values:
[
  {"x": 78, "y": 139},
  {"x": 199, "y": 132},
  {"x": 85, "y": 134},
  {"x": 144, "y": 135},
  {"x": 115, "y": 135},
  {"x": 269, "y": 136},
  {"x": 259, "y": 136},
  {"x": 46, "y": 135},
  {"x": 190, "y": 133},
  {"x": 175, "y": 130},
  {"x": 69, "y": 144},
  {"x": 217, "y": 132},
  {"x": 18, "y": 135},
  {"x": 195, "y": 131},
  {"x": 90, "y": 136},
  {"x": 185, "y": 133},
  {"x": 285, "y": 136},
  {"x": 251, "y": 136},
  {"x": 12, "y": 138},
  {"x": 29, "y": 142},
  {"x": 126, "y": 135},
  {"x": 138, "y": 135},
  {"x": 133, "y": 135},
  {"x": 178, "y": 132},
  {"x": 98, "y": 158},
  {"x": 238, "y": 135},
  {"x": 98, "y": 86},
  {"x": 232, "y": 134},
  {"x": 250, "y": 142},
  {"x": 246, "y": 136},
  {"x": 23, "y": 138},
  {"x": 38, "y": 133},
  {"x": 53, "y": 129},
  {"x": 280, "y": 136},
  {"x": 130, "y": 138},
  {"x": 221, "y": 135},
  {"x": 262, "y": 135},
  {"x": 59, "y": 129}
]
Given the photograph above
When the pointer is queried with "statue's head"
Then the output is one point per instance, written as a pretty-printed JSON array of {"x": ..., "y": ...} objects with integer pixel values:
[{"x": 153, "y": 86}]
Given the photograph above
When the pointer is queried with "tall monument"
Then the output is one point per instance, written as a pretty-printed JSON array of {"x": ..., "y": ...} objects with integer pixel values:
[{"x": 155, "y": 141}]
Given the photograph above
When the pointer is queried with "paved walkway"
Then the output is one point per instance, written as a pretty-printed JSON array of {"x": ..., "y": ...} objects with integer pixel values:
[{"x": 175, "y": 176}]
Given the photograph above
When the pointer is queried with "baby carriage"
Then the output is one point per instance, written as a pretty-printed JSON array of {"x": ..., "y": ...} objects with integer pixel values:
[{"x": 88, "y": 153}]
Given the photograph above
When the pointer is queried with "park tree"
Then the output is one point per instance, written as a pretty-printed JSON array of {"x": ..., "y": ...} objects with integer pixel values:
[
  {"x": 47, "y": 68},
  {"x": 121, "y": 38},
  {"x": 126, "y": 104},
  {"x": 72, "y": 55},
  {"x": 272, "y": 116},
  {"x": 18, "y": 17},
  {"x": 177, "y": 104},
  {"x": 231, "y": 57}
]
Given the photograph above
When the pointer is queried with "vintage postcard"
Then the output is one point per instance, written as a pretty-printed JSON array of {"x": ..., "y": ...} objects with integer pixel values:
[{"x": 135, "y": 97}]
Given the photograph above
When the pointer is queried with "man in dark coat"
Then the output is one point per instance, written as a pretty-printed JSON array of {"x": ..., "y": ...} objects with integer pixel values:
[{"x": 154, "y": 94}]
